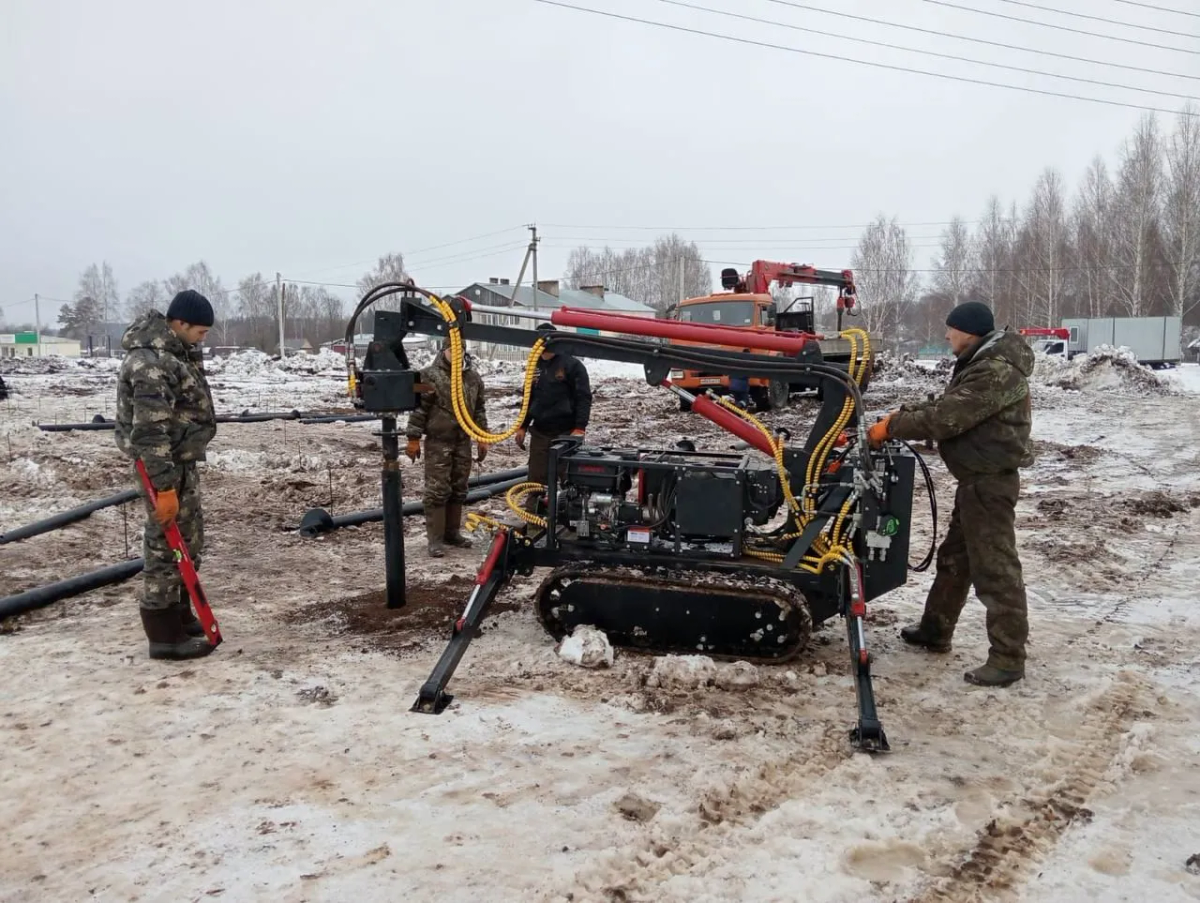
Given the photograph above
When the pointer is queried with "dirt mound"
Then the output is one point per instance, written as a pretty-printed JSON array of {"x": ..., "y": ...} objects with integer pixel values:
[
  {"x": 1159, "y": 504},
  {"x": 428, "y": 613},
  {"x": 1106, "y": 369}
]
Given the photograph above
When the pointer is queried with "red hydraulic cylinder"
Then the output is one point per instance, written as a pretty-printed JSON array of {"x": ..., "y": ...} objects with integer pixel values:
[
  {"x": 733, "y": 336},
  {"x": 724, "y": 418}
]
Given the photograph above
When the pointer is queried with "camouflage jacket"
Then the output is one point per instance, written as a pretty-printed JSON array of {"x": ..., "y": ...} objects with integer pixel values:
[
  {"x": 435, "y": 417},
  {"x": 164, "y": 406},
  {"x": 982, "y": 421}
]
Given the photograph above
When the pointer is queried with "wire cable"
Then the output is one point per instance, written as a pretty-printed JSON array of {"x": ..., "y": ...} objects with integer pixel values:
[
  {"x": 925, "y": 562},
  {"x": 1161, "y": 9},
  {"x": 958, "y": 37},
  {"x": 871, "y": 63},
  {"x": 1117, "y": 22},
  {"x": 944, "y": 56},
  {"x": 1067, "y": 28}
]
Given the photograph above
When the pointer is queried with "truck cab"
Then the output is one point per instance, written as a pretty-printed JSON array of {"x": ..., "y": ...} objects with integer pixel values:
[{"x": 754, "y": 310}]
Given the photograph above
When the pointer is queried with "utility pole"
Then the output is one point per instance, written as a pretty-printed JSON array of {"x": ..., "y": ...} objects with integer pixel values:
[
  {"x": 37, "y": 318},
  {"x": 679, "y": 274},
  {"x": 279, "y": 297},
  {"x": 533, "y": 242}
]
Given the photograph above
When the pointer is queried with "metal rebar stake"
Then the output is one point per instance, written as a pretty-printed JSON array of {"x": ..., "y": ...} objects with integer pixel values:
[{"x": 393, "y": 515}]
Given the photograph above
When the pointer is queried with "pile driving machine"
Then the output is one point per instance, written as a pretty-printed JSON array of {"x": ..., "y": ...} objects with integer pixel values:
[{"x": 731, "y": 554}]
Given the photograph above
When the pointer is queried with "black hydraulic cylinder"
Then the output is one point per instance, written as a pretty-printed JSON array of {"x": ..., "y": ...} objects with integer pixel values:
[
  {"x": 393, "y": 514},
  {"x": 67, "y": 517},
  {"x": 317, "y": 520},
  {"x": 41, "y": 596}
]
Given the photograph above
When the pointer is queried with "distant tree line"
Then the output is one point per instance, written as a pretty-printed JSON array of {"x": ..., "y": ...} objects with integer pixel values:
[{"x": 246, "y": 315}]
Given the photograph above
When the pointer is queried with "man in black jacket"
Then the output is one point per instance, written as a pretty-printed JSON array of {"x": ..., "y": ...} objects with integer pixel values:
[{"x": 560, "y": 405}]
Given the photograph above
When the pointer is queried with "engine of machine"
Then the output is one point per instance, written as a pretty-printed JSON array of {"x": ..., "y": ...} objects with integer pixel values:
[{"x": 679, "y": 501}]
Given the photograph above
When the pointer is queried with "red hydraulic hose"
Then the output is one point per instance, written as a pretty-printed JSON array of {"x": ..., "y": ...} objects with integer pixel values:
[{"x": 733, "y": 336}]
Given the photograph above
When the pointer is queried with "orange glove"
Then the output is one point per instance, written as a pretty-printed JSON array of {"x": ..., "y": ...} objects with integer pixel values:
[
  {"x": 166, "y": 506},
  {"x": 481, "y": 453},
  {"x": 579, "y": 433},
  {"x": 521, "y": 439},
  {"x": 878, "y": 433},
  {"x": 413, "y": 449}
]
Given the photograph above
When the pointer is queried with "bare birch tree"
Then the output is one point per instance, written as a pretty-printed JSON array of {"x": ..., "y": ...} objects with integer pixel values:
[
  {"x": 1135, "y": 216},
  {"x": 145, "y": 297},
  {"x": 887, "y": 285},
  {"x": 1181, "y": 213}
]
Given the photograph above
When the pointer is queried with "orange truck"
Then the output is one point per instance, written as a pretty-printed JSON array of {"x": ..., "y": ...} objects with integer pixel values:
[{"x": 747, "y": 302}]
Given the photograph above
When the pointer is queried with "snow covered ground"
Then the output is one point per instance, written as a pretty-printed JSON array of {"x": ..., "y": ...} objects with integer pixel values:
[{"x": 287, "y": 766}]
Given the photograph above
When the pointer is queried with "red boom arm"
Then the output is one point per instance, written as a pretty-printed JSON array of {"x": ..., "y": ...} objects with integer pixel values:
[{"x": 732, "y": 336}]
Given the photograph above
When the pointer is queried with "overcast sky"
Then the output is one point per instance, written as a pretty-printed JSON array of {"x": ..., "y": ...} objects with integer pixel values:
[{"x": 310, "y": 137}]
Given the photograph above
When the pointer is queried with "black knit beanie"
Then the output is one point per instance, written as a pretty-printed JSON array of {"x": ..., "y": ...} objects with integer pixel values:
[
  {"x": 191, "y": 307},
  {"x": 972, "y": 317}
]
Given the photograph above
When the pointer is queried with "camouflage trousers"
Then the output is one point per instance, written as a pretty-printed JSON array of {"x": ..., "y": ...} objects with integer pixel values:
[
  {"x": 447, "y": 469},
  {"x": 161, "y": 582},
  {"x": 980, "y": 549}
]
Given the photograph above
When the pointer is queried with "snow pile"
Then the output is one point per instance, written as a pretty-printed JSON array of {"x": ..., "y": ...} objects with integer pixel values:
[
  {"x": 586, "y": 647},
  {"x": 41, "y": 366},
  {"x": 324, "y": 363},
  {"x": 248, "y": 363},
  {"x": 682, "y": 672},
  {"x": 906, "y": 373},
  {"x": 1106, "y": 369},
  {"x": 255, "y": 364}
]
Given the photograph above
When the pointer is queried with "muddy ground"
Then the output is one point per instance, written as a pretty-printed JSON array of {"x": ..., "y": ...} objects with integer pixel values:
[{"x": 287, "y": 765}]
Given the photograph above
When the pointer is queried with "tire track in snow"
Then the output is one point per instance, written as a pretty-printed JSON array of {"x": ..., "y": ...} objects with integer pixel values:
[
  {"x": 635, "y": 874},
  {"x": 1008, "y": 849}
]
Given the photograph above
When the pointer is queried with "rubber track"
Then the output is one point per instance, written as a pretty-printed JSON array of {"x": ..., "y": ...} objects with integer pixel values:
[
  {"x": 1006, "y": 852},
  {"x": 778, "y": 591}
]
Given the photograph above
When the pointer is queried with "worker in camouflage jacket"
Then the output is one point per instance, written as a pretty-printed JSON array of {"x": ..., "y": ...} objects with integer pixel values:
[
  {"x": 981, "y": 424},
  {"x": 165, "y": 419},
  {"x": 447, "y": 449}
]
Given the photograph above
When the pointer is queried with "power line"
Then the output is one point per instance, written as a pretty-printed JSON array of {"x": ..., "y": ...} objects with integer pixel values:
[
  {"x": 871, "y": 63},
  {"x": 461, "y": 241},
  {"x": 985, "y": 41},
  {"x": 1090, "y": 34},
  {"x": 1161, "y": 9},
  {"x": 944, "y": 56},
  {"x": 1067, "y": 12},
  {"x": 779, "y": 241},
  {"x": 744, "y": 228}
]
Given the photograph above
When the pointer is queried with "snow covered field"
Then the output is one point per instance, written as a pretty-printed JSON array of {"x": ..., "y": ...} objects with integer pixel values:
[{"x": 287, "y": 767}]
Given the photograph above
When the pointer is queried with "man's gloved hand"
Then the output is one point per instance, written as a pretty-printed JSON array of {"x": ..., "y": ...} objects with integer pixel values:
[
  {"x": 481, "y": 453},
  {"x": 521, "y": 439},
  {"x": 878, "y": 433},
  {"x": 413, "y": 449},
  {"x": 578, "y": 434},
  {"x": 166, "y": 506}
]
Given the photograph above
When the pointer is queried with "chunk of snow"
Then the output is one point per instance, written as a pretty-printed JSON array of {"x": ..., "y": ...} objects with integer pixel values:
[{"x": 586, "y": 647}]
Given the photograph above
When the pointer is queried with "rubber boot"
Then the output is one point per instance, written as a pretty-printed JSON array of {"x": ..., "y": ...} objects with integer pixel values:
[
  {"x": 991, "y": 676},
  {"x": 923, "y": 635},
  {"x": 435, "y": 531},
  {"x": 453, "y": 534},
  {"x": 187, "y": 618},
  {"x": 166, "y": 636}
]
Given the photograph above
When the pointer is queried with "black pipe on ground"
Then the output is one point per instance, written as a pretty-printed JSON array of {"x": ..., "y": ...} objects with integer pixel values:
[
  {"x": 100, "y": 422},
  {"x": 69, "y": 516},
  {"x": 335, "y": 418},
  {"x": 41, "y": 596},
  {"x": 317, "y": 520}
]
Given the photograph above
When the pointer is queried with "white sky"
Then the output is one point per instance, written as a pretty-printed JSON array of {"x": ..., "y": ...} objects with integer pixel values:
[{"x": 310, "y": 137}]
